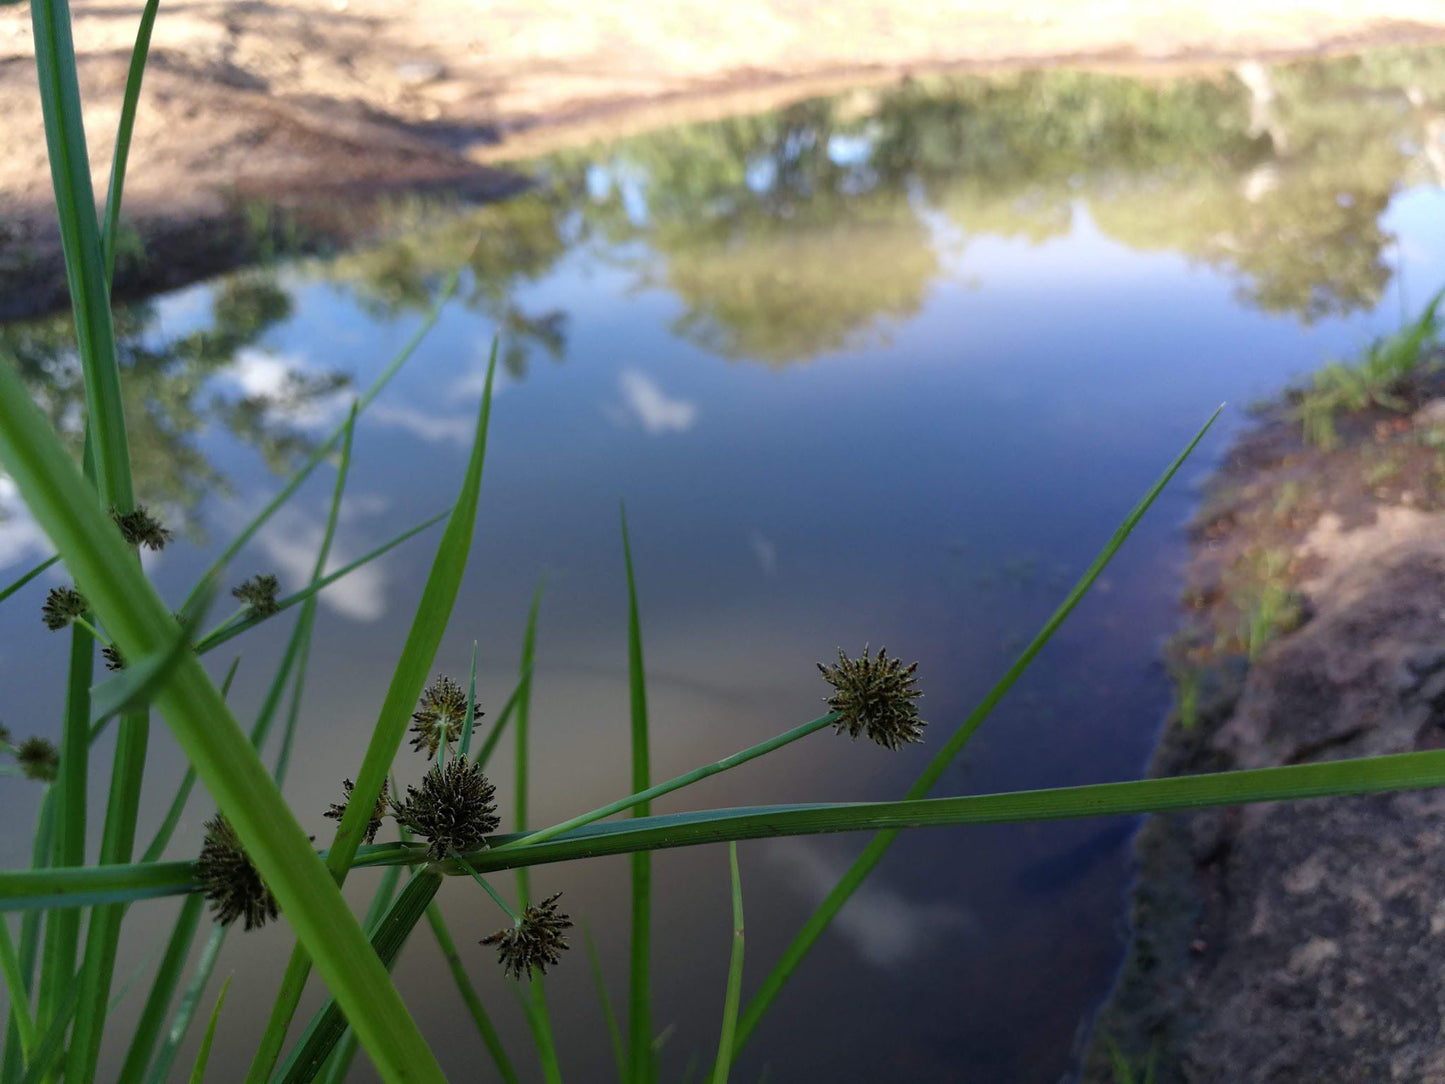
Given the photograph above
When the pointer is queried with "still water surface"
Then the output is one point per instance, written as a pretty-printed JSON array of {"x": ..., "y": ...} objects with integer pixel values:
[{"x": 887, "y": 368}]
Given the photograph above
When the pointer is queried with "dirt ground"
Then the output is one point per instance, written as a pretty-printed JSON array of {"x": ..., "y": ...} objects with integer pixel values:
[
  {"x": 1301, "y": 941},
  {"x": 280, "y": 100}
]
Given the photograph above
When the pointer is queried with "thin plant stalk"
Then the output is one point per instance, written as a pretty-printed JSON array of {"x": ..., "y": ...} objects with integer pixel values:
[
  {"x": 433, "y": 612},
  {"x": 639, "y": 999},
  {"x": 723, "y": 1065},
  {"x": 862, "y": 866},
  {"x": 676, "y": 783}
]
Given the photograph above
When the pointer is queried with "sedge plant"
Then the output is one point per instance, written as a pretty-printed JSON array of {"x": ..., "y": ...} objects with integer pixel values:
[{"x": 132, "y": 660}]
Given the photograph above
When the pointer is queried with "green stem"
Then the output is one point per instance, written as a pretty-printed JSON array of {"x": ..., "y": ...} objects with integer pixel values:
[
  {"x": 11, "y": 972},
  {"x": 676, "y": 783},
  {"x": 488, "y": 1032},
  {"x": 459, "y": 860}
]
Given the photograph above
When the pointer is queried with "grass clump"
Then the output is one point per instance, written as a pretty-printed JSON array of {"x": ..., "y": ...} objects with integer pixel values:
[
  {"x": 1379, "y": 378},
  {"x": 258, "y": 865}
]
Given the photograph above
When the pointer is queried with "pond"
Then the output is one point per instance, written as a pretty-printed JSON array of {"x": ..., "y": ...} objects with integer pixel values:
[{"x": 887, "y": 368}]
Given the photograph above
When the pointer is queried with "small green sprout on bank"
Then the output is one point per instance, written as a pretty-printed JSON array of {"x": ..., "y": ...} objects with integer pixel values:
[{"x": 1379, "y": 378}]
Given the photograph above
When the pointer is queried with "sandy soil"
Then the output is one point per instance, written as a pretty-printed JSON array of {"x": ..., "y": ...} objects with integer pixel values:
[{"x": 285, "y": 99}]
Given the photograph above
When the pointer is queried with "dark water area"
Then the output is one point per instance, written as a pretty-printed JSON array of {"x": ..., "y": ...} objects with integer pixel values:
[{"x": 881, "y": 369}]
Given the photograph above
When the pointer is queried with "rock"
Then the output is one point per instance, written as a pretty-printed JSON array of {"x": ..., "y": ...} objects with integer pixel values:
[{"x": 1429, "y": 415}]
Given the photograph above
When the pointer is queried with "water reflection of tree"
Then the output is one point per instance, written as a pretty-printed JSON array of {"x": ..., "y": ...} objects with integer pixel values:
[
  {"x": 503, "y": 246},
  {"x": 169, "y": 400},
  {"x": 796, "y": 233},
  {"x": 786, "y": 235}
]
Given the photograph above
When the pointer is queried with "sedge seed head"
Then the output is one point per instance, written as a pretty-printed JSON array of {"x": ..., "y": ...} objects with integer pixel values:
[
  {"x": 114, "y": 660},
  {"x": 62, "y": 606},
  {"x": 337, "y": 810},
  {"x": 230, "y": 880},
  {"x": 140, "y": 528},
  {"x": 259, "y": 595},
  {"x": 440, "y": 715},
  {"x": 535, "y": 942},
  {"x": 875, "y": 697},
  {"x": 454, "y": 808},
  {"x": 38, "y": 759}
]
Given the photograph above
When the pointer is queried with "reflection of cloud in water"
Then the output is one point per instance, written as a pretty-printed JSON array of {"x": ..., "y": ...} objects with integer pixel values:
[
  {"x": 765, "y": 552},
  {"x": 885, "y": 928},
  {"x": 430, "y": 427},
  {"x": 21, "y": 539},
  {"x": 646, "y": 403},
  {"x": 292, "y": 542},
  {"x": 265, "y": 375}
]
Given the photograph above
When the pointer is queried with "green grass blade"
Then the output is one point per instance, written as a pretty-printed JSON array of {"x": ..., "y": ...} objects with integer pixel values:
[
  {"x": 639, "y": 999},
  {"x": 163, "y": 988},
  {"x": 52, "y": 1043},
  {"x": 248, "y": 532},
  {"x": 15, "y": 988},
  {"x": 469, "y": 719},
  {"x": 339, "y": 1063},
  {"x": 614, "y": 1033},
  {"x": 186, "y": 1007},
  {"x": 117, "y": 844},
  {"x": 123, "y": 135},
  {"x": 521, "y": 733},
  {"x": 644, "y": 798},
  {"x": 233, "y": 628},
  {"x": 723, "y": 1065},
  {"x": 27, "y": 577},
  {"x": 198, "y": 1073},
  {"x": 80, "y": 241},
  {"x": 107, "y": 574},
  {"x": 534, "y": 1000},
  {"x": 490, "y": 1039},
  {"x": 433, "y": 612},
  {"x": 62, "y": 929},
  {"x": 327, "y": 1026},
  {"x": 167, "y": 828},
  {"x": 504, "y": 716},
  {"x": 858, "y": 872},
  {"x": 11, "y": 1067},
  {"x": 307, "y": 620}
]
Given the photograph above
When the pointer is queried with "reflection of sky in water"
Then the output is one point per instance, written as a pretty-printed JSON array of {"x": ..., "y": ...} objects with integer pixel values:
[{"x": 933, "y": 486}]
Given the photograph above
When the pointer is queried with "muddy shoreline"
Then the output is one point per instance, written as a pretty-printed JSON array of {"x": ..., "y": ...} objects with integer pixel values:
[
  {"x": 294, "y": 127},
  {"x": 1300, "y": 942}
]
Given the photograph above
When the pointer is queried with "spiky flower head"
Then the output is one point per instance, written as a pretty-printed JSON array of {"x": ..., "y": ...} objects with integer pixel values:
[
  {"x": 38, "y": 759},
  {"x": 454, "y": 809},
  {"x": 440, "y": 715},
  {"x": 535, "y": 942},
  {"x": 114, "y": 660},
  {"x": 259, "y": 595},
  {"x": 62, "y": 606},
  {"x": 875, "y": 697},
  {"x": 338, "y": 809},
  {"x": 230, "y": 880},
  {"x": 140, "y": 528}
]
